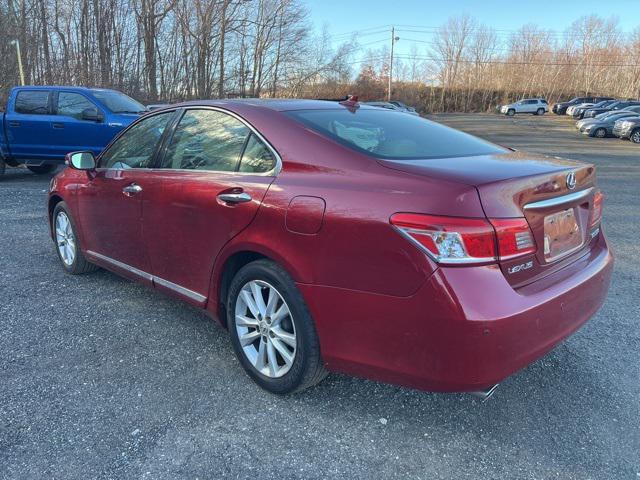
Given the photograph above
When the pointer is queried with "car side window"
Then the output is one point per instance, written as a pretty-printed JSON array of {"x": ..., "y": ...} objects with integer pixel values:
[
  {"x": 73, "y": 104},
  {"x": 256, "y": 158},
  {"x": 136, "y": 146},
  {"x": 32, "y": 102},
  {"x": 206, "y": 140}
]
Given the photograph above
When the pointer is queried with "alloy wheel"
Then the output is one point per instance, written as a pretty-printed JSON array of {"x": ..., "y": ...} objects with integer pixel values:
[
  {"x": 635, "y": 136},
  {"x": 265, "y": 328},
  {"x": 65, "y": 239},
  {"x": 601, "y": 133}
]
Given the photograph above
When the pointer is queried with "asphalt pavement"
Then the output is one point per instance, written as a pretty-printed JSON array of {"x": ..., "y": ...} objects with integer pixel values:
[{"x": 103, "y": 378}]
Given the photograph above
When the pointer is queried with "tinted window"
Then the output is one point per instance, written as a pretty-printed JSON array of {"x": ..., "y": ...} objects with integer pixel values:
[
  {"x": 206, "y": 140},
  {"x": 393, "y": 135},
  {"x": 135, "y": 147},
  {"x": 32, "y": 102},
  {"x": 256, "y": 158},
  {"x": 118, "y": 102},
  {"x": 73, "y": 104}
]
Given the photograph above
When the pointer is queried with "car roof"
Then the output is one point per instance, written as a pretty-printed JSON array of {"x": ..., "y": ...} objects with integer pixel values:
[
  {"x": 277, "y": 104},
  {"x": 66, "y": 87}
]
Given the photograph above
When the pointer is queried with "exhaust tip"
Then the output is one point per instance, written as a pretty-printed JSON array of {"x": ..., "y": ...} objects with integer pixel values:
[{"x": 486, "y": 393}]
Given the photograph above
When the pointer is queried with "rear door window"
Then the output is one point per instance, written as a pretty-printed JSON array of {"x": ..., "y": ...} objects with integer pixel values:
[
  {"x": 32, "y": 102},
  {"x": 392, "y": 135},
  {"x": 206, "y": 140}
]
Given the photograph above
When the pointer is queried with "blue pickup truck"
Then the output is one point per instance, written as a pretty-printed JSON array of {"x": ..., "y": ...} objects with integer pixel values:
[{"x": 42, "y": 124}]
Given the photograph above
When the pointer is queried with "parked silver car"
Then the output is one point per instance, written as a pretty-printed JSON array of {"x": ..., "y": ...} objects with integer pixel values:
[
  {"x": 535, "y": 106},
  {"x": 392, "y": 106}
]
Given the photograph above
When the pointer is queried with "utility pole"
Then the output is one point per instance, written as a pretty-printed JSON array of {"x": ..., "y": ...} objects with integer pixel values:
[
  {"x": 17, "y": 44},
  {"x": 394, "y": 39}
]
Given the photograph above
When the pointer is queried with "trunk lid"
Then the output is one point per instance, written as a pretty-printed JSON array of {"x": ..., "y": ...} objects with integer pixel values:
[{"x": 537, "y": 187}]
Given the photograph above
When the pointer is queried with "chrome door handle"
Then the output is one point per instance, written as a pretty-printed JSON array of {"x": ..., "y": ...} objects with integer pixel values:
[
  {"x": 132, "y": 189},
  {"x": 235, "y": 197}
]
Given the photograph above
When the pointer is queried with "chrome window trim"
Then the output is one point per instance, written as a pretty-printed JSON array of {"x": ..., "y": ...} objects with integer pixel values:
[
  {"x": 152, "y": 278},
  {"x": 557, "y": 201}
]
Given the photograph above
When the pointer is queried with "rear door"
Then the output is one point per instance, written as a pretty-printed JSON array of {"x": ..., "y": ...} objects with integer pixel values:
[
  {"x": 207, "y": 188},
  {"x": 28, "y": 128},
  {"x": 72, "y": 131}
]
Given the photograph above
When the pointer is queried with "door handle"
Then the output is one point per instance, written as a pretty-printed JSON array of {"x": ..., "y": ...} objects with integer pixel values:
[
  {"x": 14, "y": 124},
  {"x": 131, "y": 190},
  {"x": 57, "y": 125},
  {"x": 234, "y": 197}
]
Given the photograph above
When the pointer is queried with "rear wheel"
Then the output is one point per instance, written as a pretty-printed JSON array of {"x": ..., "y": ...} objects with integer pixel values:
[
  {"x": 540, "y": 111},
  {"x": 511, "y": 112},
  {"x": 41, "y": 169},
  {"x": 635, "y": 136},
  {"x": 600, "y": 132},
  {"x": 271, "y": 329},
  {"x": 66, "y": 238}
]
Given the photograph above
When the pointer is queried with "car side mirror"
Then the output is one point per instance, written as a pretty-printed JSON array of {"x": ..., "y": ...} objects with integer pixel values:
[
  {"x": 81, "y": 160},
  {"x": 92, "y": 114}
]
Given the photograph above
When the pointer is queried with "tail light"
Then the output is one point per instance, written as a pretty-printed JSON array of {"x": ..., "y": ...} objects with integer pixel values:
[
  {"x": 596, "y": 211},
  {"x": 514, "y": 237},
  {"x": 456, "y": 240}
]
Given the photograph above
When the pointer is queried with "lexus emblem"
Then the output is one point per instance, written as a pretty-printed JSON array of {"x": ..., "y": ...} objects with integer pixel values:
[{"x": 571, "y": 180}]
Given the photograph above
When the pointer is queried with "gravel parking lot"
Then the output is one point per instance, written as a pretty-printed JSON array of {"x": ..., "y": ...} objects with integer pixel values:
[{"x": 103, "y": 378}]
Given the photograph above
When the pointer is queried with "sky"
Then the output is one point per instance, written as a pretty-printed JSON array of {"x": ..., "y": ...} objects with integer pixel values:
[{"x": 343, "y": 16}]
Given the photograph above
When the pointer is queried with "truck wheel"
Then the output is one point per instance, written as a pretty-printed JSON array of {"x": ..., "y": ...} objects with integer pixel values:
[
  {"x": 41, "y": 169},
  {"x": 635, "y": 136}
]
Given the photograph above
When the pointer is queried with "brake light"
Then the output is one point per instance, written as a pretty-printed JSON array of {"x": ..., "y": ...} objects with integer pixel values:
[
  {"x": 455, "y": 240},
  {"x": 514, "y": 237},
  {"x": 449, "y": 240},
  {"x": 596, "y": 211}
]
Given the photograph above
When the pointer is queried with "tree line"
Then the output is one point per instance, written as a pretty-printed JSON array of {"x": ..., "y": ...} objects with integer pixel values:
[{"x": 171, "y": 50}]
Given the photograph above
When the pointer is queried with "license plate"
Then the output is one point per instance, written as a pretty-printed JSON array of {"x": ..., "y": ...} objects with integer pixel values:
[{"x": 561, "y": 234}]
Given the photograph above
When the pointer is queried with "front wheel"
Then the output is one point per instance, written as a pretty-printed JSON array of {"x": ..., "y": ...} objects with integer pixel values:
[
  {"x": 600, "y": 133},
  {"x": 3, "y": 165},
  {"x": 635, "y": 136},
  {"x": 66, "y": 238},
  {"x": 511, "y": 112},
  {"x": 272, "y": 332},
  {"x": 41, "y": 169}
]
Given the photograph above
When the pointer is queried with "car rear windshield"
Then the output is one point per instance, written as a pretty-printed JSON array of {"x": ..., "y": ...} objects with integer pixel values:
[
  {"x": 118, "y": 102},
  {"x": 392, "y": 135}
]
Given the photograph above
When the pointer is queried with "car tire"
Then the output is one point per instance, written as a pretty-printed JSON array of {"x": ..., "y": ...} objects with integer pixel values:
[
  {"x": 600, "y": 132},
  {"x": 41, "y": 169},
  {"x": 540, "y": 111},
  {"x": 3, "y": 165},
  {"x": 635, "y": 136},
  {"x": 259, "y": 330},
  {"x": 70, "y": 254},
  {"x": 511, "y": 112}
]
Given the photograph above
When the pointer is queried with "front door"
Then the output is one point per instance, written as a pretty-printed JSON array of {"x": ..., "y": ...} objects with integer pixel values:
[
  {"x": 111, "y": 204},
  {"x": 72, "y": 132},
  {"x": 210, "y": 184}
]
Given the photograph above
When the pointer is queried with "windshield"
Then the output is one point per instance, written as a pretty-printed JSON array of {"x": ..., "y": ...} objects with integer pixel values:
[
  {"x": 118, "y": 102},
  {"x": 390, "y": 134}
]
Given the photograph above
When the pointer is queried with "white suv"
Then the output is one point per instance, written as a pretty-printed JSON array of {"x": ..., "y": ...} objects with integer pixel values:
[{"x": 536, "y": 106}]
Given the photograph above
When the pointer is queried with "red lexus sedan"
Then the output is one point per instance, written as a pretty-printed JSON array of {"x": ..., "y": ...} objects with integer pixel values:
[{"x": 339, "y": 237}]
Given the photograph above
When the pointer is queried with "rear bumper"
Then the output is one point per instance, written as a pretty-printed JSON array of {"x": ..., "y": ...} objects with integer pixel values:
[{"x": 464, "y": 330}]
